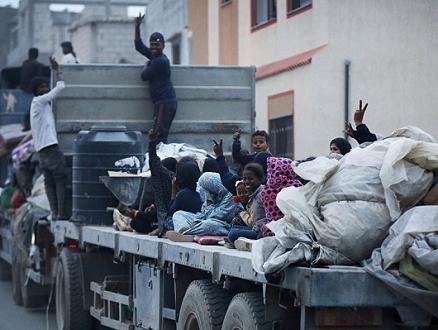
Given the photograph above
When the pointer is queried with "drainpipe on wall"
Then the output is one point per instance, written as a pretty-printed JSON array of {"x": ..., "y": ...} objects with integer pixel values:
[{"x": 347, "y": 91}]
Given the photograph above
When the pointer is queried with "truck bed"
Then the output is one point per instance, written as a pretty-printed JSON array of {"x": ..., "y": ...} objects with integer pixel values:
[{"x": 347, "y": 286}]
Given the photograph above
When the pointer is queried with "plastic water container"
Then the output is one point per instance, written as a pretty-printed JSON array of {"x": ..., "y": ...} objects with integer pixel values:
[{"x": 102, "y": 149}]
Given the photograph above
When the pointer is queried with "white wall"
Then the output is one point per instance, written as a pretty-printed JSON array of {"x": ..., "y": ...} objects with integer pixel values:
[
  {"x": 393, "y": 65},
  {"x": 393, "y": 51}
]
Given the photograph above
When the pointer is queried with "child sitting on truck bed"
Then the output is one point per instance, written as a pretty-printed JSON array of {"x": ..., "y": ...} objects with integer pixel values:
[
  {"x": 229, "y": 179},
  {"x": 254, "y": 180},
  {"x": 243, "y": 216},
  {"x": 183, "y": 197}
]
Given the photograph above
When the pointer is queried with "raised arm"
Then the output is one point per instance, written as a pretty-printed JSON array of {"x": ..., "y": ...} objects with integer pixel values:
[
  {"x": 228, "y": 179},
  {"x": 139, "y": 45},
  {"x": 362, "y": 133},
  {"x": 358, "y": 115},
  {"x": 137, "y": 23},
  {"x": 55, "y": 66}
]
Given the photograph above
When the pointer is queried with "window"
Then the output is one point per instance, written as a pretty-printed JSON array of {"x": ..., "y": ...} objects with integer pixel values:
[
  {"x": 294, "y": 5},
  {"x": 281, "y": 136},
  {"x": 176, "y": 53},
  {"x": 263, "y": 11},
  {"x": 175, "y": 40},
  {"x": 281, "y": 125}
]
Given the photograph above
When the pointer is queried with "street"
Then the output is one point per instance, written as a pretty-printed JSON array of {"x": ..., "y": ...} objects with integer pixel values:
[{"x": 18, "y": 317}]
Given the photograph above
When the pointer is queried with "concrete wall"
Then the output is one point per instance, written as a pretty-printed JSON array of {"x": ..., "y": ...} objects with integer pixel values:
[
  {"x": 6, "y": 16},
  {"x": 106, "y": 41},
  {"x": 170, "y": 18},
  {"x": 37, "y": 28}
]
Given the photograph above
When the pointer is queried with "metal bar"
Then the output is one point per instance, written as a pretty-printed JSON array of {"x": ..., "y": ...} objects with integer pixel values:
[
  {"x": 347, "y": 91},
  {"x": 303, "y": 317}
]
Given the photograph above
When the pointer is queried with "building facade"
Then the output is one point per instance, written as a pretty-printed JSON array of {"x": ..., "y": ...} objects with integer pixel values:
[
  {"x": 101, "y": 33},
  {"x": 316, "y": 59}
]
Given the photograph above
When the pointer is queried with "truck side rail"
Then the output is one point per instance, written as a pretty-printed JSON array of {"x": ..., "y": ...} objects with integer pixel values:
[{"x": 313, "y": 287}]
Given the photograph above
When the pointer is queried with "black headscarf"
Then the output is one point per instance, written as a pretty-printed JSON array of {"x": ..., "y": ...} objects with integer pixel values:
[
  {"x": 169, "y": 163},
  {"x": 210, "y": 165},
  {"x": 187, "y": 175},
  {"x": 343, "y": 145},
  {"x": 262, "y": 159}
]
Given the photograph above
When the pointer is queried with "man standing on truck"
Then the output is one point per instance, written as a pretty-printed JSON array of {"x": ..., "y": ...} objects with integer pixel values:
[
  {"x": 69, "y": 55},
  {"x": 51, "y": 158},
  {"x": 157, "y": 72},
  {"x": 30, "y": 69}
]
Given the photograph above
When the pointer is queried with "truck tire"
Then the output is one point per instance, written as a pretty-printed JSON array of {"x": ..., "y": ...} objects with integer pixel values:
[
  {"x": 246, "y": 312},
  {"x": 5, "y": 271},
  {"x": 29, "y": 300},
  {"x": 16, "y": 280},
  {"x": 70, "y": 311},
  {"x": 203, "y": 306}
]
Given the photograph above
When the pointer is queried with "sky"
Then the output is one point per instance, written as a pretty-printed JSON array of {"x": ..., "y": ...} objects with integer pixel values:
[
  {"x": 57, "y": 7},
  {"x": 132, "y": 10},
  {"x": 12, "y": 3}
]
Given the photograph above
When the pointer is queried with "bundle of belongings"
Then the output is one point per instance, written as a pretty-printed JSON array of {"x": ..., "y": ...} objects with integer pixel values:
[{"x": 364, "y": 208}]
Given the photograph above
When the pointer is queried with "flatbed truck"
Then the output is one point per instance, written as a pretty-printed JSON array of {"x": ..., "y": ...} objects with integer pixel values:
[{"x": 100, "y": 277}]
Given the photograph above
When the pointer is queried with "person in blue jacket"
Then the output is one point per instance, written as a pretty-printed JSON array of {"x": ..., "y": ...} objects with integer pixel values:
[{"x": 157, "y": 72}]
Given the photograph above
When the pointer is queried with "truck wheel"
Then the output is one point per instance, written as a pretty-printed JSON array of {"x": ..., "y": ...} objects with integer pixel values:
[
  {"x": 203, "y": 307},
  {"x": 70, "y": 311},
  {"x": 5, "y": 271},
  {"x": 16, "y": 280},
  {"x": 29, "y": 300},
  {"x": 246, "y": 312}
]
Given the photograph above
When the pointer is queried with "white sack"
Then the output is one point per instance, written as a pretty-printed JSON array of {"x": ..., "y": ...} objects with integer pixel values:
[
  {"x": 177, "y": 150},
  {"x": 415, "y": 233},
  {"x": 350, "y": 205}
]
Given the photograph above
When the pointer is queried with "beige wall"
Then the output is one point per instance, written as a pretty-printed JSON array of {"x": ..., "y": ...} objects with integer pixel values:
[
  {"x": 280, "y": 105},
  {"x": 228, "y": 28},
  {"x": 198, "y": 27}
]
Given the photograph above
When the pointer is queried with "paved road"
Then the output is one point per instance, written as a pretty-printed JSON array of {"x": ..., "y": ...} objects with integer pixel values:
[{"x": 13, "y": 317}]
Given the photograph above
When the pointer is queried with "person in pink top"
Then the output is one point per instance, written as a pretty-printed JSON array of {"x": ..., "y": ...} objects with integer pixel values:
[{"x": 280, "y": 174}]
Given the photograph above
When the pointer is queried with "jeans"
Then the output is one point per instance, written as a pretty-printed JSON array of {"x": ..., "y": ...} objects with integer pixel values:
[
  {"x": 52, "y": 164},
  {"x": 241, "y": 231}
]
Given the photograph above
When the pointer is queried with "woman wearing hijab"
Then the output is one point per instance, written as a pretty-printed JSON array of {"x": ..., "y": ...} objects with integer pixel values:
[
  {"x": 215, "y": 216},
  {"x": 184, "y": 194},
  {"x": 340, "y": 146}
]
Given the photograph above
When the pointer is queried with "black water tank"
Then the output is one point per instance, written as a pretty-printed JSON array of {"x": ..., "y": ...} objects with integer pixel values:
[{"x": 95, "y": 153}]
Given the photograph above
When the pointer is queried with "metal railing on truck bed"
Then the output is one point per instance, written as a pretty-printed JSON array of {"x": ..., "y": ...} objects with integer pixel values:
[{"x": 329, "y": 286}]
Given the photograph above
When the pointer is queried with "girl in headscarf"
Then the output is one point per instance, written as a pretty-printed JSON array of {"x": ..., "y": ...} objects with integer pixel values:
[
  {"x": 184, "y": 194},
  {"x": 280, "y": 174},
  {"x": 215, "y": 216},
  {"x": 340, "y": 146}
]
